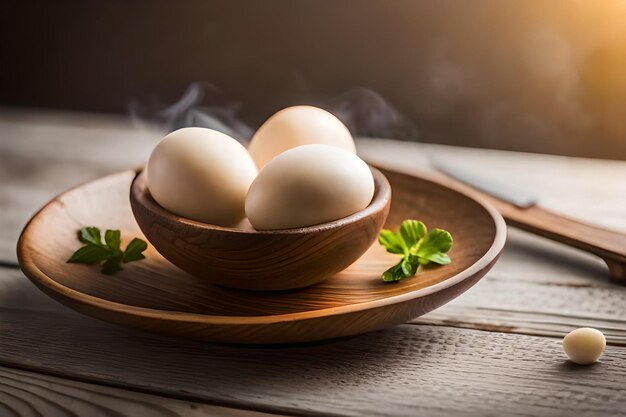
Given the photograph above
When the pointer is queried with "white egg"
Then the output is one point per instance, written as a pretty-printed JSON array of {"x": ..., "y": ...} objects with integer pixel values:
[
  {"x": 584, "y": 345},
  {"x": 201, "y": 174},
  {"x": 296, "y": 126},
  {"x": 309, "y": 185}
]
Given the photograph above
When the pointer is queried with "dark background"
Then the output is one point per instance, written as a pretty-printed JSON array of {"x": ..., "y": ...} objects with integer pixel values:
[{"x": 533, "y": 75}]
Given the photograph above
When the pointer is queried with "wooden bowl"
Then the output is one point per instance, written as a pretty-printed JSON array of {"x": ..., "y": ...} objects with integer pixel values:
[
  {"x": 156, "y": 296},
  {"x": 260, "y": 260}
]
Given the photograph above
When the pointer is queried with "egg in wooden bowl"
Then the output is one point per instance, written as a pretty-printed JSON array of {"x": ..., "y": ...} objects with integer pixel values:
[
  {"x": 311, "y": 210},
  {"x": 246, "y": 258}
]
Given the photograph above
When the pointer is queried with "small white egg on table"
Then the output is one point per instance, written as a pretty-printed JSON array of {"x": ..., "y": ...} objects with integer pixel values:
[
  {"x": 296, "y": 126},
  {"x": 584, "y": 345},
  {"x": 201, "y": 174},
  {"x": 309, "y": 185}
]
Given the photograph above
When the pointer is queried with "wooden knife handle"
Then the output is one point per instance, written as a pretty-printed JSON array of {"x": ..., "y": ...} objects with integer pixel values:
[{"x": 608, "y": 245}]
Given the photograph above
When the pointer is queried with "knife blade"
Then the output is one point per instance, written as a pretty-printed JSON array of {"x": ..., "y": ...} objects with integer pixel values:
[{"x": 511, "y": 194}]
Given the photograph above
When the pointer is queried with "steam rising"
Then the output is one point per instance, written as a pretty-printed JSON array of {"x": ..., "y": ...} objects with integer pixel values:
[
  {"x": 367, "y": 113},
  {"x": 363, "y": 111},
  {"x": 196, "y": 108}
]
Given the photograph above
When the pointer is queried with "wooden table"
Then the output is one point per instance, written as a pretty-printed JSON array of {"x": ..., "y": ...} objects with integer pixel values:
[{"x": 496, "y": 350}]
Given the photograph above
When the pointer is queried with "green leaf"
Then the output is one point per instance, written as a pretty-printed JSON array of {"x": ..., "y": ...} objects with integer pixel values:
[
  {"x": 111, "y": 265},
  {"x": 417, "y": 247},
  {"x": 422, "y": 260},
  {"x": 410, "y": 265},
  {"x": 395, "y": 273},
  {"x": 406, "y": 268},
  {"x": 134, "y": 250},
  {"x": 392, "y": 242},
  {"x": 437, "y": 240},
  {"x": 108, "y": 252},
  {"x": 113, "y": 239},
  {"x": 434, "y": 247},
  {"x": 412, "y": 231},
  {"x": 436, "y": 257},
  {"x": 90, "y": 254},
  {"x": 90, "y": 235}
]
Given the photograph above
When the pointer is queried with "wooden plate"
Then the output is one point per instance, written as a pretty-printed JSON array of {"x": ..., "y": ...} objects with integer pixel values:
[{"x": 156, "y": 296}]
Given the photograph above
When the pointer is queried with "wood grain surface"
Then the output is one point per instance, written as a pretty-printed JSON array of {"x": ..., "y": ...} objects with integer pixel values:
[
  {"x": 28, "y": 394},
  {"x": 439, "y": 369},
  {"x": 266, "y": 260},
  {"x": 156, "y": 296}
]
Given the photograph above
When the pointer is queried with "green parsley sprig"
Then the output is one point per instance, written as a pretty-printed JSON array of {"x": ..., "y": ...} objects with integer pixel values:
[
  {"x": 417, "y": 247},
  {"x": 109, "y": 251}
]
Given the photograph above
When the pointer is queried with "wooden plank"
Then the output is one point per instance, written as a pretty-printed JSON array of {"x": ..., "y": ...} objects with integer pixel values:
[
  {"x": 18, "y": 293},
  {"x": 523, "y": 322},
  {"x": 438, "y": 370},
  {"x": 25, "y": 394}
]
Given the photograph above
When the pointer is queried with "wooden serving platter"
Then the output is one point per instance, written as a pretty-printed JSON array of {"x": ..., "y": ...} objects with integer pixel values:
[{"x": 156, "y": 296}]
